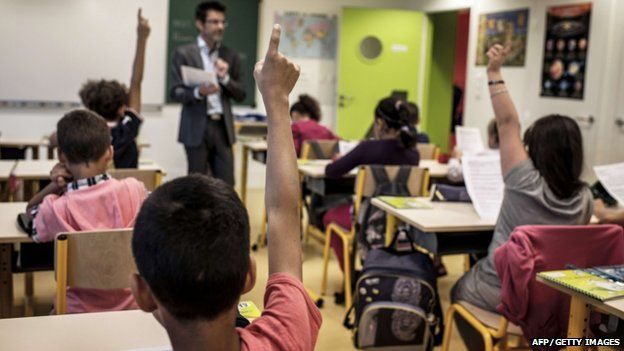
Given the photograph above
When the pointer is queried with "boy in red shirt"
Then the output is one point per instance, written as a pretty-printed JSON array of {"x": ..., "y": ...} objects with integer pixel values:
[{"x": 191, "y": 246}]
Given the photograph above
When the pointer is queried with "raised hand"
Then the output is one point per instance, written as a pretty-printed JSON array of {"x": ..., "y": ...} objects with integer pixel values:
[
  {"x": 496, "y": 56},
  {"x": 275, "y": 75},
  {"x": 143, "y": 28}
]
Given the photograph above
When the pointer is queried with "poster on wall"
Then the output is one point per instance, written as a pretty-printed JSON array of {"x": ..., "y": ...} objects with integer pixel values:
[
  {"x": 307, "y": 35},
  {"x": 565, "y": 51},
  {"x": 505, "y": 28}
]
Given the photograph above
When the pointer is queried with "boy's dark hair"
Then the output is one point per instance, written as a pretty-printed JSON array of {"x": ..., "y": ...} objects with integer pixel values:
[
  {"x": 307, "y": 105},
  {"x": 191, "y": 245},
  {"x": 555, "y": 145},
  {"x": 397, "y": 116},
  {"x": 105, "y": 97},
  {"x": 201, "y": 11},
  {"x": 83, "y": 136}
]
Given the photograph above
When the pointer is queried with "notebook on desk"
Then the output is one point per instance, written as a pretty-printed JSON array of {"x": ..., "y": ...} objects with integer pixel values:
[
  {"x": 401, "y": 202},
  {"x": 584, "y": 282}
]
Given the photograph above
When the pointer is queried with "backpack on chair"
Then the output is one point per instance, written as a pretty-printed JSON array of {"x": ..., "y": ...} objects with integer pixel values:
[
  {"x": 371, "y": 223},
  {"x": 396, "y": 304}
]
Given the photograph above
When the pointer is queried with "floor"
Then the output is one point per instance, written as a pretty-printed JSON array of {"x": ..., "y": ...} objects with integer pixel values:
[{"x": 333, "y": 336}]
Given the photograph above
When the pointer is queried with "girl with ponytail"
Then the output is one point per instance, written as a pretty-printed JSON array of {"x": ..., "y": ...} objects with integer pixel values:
[
  {"x": 393, "y": 144},
  {"x": 306, "y": 115}
]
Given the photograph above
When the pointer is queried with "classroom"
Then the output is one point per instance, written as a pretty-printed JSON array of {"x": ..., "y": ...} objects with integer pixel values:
[{"x": 312, "y": 175}]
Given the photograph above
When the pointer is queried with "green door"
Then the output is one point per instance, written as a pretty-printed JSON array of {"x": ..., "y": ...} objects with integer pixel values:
[{"x": 380, "y": 52}]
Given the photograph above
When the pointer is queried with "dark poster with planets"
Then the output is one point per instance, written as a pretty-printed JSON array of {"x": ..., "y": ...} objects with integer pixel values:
[{"x": 565, "y": 51}]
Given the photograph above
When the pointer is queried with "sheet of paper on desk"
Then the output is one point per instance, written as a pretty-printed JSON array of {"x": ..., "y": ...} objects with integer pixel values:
[
  {"x": 612, "y": 178},
  {"x": 193, "y": 77},
  {"x": 484, "y": 182},
  {"x": 345, "y": 146},
  {"x": 469, "y": 140}
]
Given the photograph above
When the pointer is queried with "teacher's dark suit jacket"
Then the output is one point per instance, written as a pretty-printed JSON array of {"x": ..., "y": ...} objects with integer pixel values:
[{"x": 193, "y": 122}]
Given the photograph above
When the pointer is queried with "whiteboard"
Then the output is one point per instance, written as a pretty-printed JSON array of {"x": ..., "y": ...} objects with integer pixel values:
[{"x": 48, "y": 49}]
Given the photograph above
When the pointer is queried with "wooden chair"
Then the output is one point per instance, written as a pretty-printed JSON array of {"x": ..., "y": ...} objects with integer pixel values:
[
  {"x": 150, "y": 177},
  {"x": 492, "y": 326},
  {"x": 428, "y": 151},
  {"x": 94, "y": 260},
  {"x": 418, "y": 183},
  {"x": 319, "y": 149}
]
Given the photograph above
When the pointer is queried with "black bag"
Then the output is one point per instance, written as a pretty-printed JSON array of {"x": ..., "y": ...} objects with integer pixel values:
[
  {"x": 396, "y": 302},
  {"x": 450, "y": 193},
  {"x": 371, "y": 222}
]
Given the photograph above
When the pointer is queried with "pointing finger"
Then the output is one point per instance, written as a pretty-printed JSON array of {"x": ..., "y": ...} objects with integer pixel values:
[{"x": 275, "y": 39}]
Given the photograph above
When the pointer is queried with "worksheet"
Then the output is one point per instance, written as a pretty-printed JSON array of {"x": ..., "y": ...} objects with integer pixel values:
[
  {"x": 469, "y": 140},
  {"x": 484, "y": 182},
  {"x": 612, "y": 179}
]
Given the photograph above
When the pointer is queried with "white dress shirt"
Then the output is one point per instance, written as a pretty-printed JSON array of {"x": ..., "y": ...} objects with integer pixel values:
[{"x": 214, "y": 105}]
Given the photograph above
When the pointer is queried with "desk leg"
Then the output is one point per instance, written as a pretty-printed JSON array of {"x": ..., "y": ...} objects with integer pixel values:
[
  {"x": 243, "y": 192},
  {"x": 577, "y": 324},
  {"x": 6, "y": 281},
  {"x": 390, "y": 228}
]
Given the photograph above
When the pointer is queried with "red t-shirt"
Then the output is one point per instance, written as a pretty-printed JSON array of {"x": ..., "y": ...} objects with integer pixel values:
[
  {"x": 309, "y": 130},
  {"x": 290, "y": 320}
]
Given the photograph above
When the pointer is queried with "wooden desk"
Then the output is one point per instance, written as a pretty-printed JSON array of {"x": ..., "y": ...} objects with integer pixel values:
[
  {"x": 251, "y": 128},
  {"x": 10, "y": 234},
  {"x": 29, "y": 143},
  {"x": 124, "y": 330},
  {"x": 458, "y": 227},
  {"x": 580, "y": 308},
  {"x": 437, "y": 170},
  {"x": 258, "y": 149}
]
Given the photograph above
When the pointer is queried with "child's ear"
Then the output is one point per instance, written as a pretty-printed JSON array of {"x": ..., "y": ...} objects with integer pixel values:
[
  {"x": 62, "y": 157},
  {"x": 109, "y": 154},
  {"x": 142, "y": 293},
  {"x": 250, "y": 281}
]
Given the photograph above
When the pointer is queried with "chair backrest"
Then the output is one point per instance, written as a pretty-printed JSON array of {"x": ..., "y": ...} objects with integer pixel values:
[
  {"x": 318, "y": 149},
  {"x": 150, "y": 177},
  {"x": 428, "y": 151},
  {"x": 417, "y": 184},
  {"x": 543, "y": 311},
  {"x": 94, "y": 260}
]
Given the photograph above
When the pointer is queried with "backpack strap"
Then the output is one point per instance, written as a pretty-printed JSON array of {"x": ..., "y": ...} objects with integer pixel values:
[
  {"x": 316, "y": 147},
  {"x": 380, "y": 175},
  {"x": 403, "y": 175}
]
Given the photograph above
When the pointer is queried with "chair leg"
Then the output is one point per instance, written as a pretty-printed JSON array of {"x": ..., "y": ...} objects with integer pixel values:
[
  {"x": 29, "y": 298},
  {"x": 263, "y": 231},
  {"x": 347, "y": 271},
  {"x": 446, "y": 340},
  {"x": 328, "y": 233}
]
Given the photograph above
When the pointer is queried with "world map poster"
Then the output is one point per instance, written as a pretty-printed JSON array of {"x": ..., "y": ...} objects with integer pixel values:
[{"x": 305, "y": 35}]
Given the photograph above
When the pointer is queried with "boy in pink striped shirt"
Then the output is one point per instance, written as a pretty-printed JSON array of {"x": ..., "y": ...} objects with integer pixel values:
[
  {"x": 82, "y": 196},
  {"x": 191, "y": 246}
]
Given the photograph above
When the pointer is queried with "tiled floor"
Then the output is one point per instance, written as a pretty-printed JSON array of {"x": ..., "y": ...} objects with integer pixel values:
[{"x": 333, "y": 335}]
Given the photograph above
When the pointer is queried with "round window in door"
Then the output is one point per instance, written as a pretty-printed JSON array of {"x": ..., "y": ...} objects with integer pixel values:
[{"x": 370, "y": 47}]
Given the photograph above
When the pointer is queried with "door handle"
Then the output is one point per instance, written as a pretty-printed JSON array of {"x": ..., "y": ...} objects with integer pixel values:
[
  {"x": 344, "y": 100},
  {"x": 585, "y": 119}
]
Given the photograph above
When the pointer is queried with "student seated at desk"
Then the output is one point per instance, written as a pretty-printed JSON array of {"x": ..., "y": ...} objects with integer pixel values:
[
  {"x": 395, "y": 137},
  {"x": 82, "y": 196},
  {"x": 306, "y": 115},
  {"x": 455, "y": 170},
  {"x": 121, "y": 108},
  {"x": 191, "y": 246},
  {"x": 542, "y": 186}
]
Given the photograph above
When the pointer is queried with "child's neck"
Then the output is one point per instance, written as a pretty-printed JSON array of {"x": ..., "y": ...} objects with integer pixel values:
[
  {"x": 218, "y": 334},
  {"x": 86, "y": 170}
]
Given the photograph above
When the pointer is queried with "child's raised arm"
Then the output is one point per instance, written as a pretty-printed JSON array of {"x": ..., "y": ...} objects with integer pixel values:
[
  {"x": 512, "y": 149},
  {"x": 134, "y": 96},
  {"x": 276, "y": 76}
]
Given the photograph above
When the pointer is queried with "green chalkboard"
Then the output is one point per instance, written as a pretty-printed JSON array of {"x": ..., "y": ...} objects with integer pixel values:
[{"x": 240, "y": 35}]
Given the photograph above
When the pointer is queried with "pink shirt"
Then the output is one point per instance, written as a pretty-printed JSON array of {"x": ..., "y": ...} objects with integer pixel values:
[
  {"x": 109, "y": 204},
  {"x": 290, "y": 320},
  {"x": 309, "y": 130}
]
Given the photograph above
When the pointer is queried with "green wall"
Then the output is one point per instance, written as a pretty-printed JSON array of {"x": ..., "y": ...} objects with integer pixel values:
[
  {"x": 438, "y": 92},
  {"x": 366, "y": 82}
]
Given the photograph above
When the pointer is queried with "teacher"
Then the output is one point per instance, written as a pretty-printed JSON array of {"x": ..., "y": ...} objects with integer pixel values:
[{"x": 207, "y": 125}]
